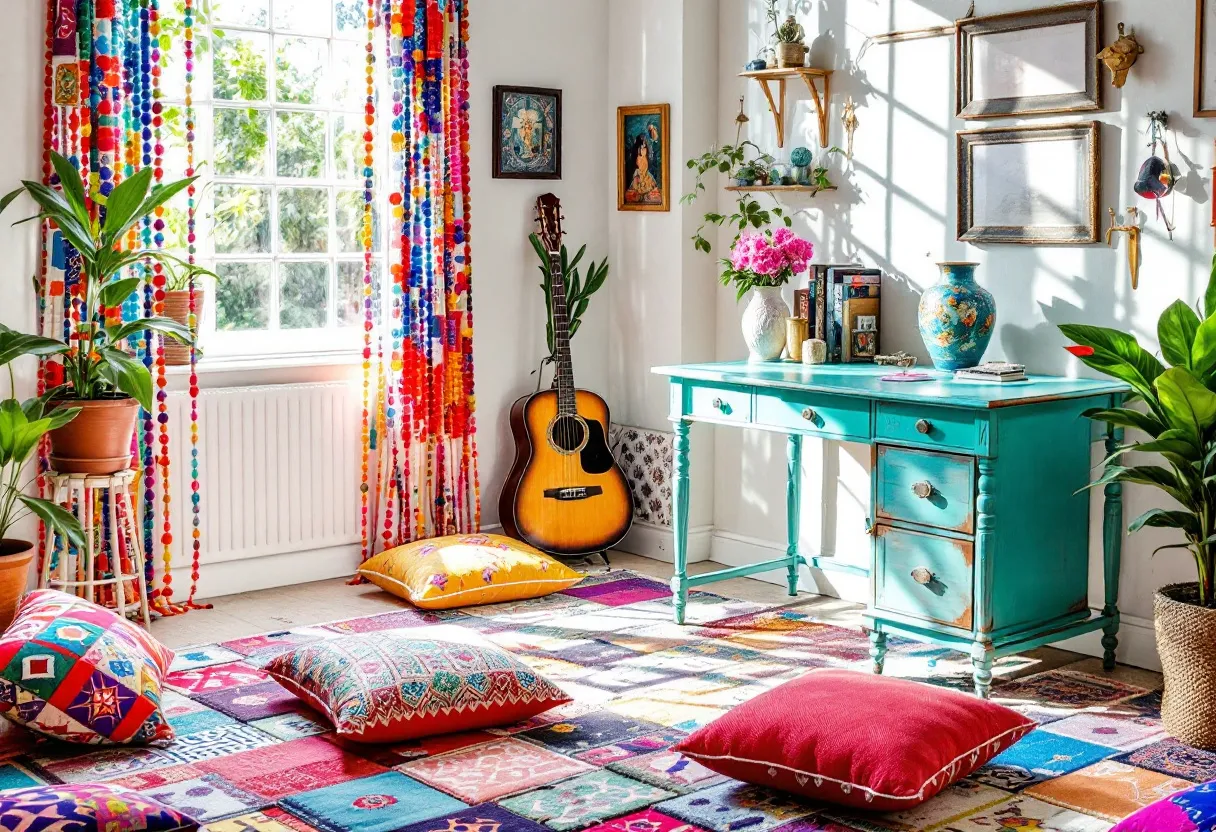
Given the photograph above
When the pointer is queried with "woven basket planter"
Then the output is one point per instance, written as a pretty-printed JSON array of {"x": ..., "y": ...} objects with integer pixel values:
[
  {"x": 177, "y": 307},
  {"x": 1186, "y": 642}
]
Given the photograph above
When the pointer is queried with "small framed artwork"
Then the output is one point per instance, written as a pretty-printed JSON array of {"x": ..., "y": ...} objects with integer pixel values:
[
  {"x": 643, "y": 168},
  {"x": 1030, "y": 62},
  {"x": 528, "y": 144},
  {"x": 1205, "y": 58},
  {"x": 1029, "y": 185}
]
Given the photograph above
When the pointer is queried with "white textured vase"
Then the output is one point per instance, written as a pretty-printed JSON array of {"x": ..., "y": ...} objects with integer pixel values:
[{"x": 764, "y": 320}]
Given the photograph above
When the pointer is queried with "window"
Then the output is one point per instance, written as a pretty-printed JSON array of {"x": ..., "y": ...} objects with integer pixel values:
[{"x": 279, "y": 95}]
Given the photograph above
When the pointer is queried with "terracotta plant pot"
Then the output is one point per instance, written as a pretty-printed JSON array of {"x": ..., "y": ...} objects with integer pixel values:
[
  {"x": 177, "y": 307},
  {"x": 1186, "y": 642},
  {"x": 98, "y": 440},
  {"x": 791, "y": 54},
  {"x": 15, "y": 557}
]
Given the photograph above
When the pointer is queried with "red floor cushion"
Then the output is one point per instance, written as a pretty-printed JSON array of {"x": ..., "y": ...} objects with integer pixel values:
[
  {"x": 388, "y": 687},
  {"x": 856, "y": 739},
  {"x": 77, "y": 672}
]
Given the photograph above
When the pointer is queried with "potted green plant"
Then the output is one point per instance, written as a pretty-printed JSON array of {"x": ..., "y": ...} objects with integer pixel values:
[
  {"x": 732, "y": 159},
  {"x": 177, "y": 308},
  {"x": 105, "y": 382},
  {"x": 1175, "y": 409},
  {"x": 22, "y": 426}
]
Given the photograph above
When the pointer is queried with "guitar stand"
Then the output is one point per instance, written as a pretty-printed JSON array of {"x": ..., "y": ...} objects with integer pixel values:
[{"x": 580, "y": 559}]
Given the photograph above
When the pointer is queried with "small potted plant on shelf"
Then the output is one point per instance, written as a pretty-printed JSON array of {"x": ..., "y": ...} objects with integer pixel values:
[
  {"x": 104, "y": 382},
  {"x": 177, "y": 308},
  {"x": 1176, "y": 410},
  {"x": 762, "y": 262},
  {"x": 22, "y": 426},
  {"x": 732, "y": 159}
]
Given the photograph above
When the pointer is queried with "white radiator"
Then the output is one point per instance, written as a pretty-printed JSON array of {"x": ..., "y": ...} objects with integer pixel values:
[{"x": 278, "y": 470}]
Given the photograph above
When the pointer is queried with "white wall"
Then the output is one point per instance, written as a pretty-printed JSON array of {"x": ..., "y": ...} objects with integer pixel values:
[
  {"x": 523, "y": 42},
  {"x": 895, "y": 210}
]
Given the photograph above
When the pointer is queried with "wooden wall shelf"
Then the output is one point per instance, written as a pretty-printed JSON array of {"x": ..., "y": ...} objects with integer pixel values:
[
  {"x": 806, "y": 189},
  {"x": 809, "y": 75}
]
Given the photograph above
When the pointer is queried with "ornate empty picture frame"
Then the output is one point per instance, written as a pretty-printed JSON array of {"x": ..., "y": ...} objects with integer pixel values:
[
  {"x": 1029, "y": 185},
  {"x": 1031, "y": 62}
]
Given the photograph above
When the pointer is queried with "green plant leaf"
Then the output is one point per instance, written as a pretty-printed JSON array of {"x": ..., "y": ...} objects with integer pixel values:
[
  {"x": 1209, "y": 297},
  {"x": 56, "y": 517},
  {"x": 1203, "y": 351},
  {"x": 123, "y": 202},
  {"x": 166, "y": 326},
  {"x": 1126, "y": 417},
  {"x": 1176, "y": 330},
  {"x": 8, "y": 198},
  {"x": 73, "y": 187},
  {"x": 16, "y": 344},
  {"x": 128, "y": 375},
  {"x": 1117, "y": 354},
  {"x": 117, "y": 291},
  {"x": 158, "y": 197},
  {"x": 1189, "y": 406},
  {"x": 1162, "y": 519}
]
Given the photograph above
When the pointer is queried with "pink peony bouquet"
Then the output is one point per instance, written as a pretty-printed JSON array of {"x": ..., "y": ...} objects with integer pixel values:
[{"x": 768, "y": 258}]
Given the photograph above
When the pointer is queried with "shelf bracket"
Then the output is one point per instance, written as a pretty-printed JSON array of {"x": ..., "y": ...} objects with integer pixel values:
[
  {"x": 821, "y": 105},
  {"x": 778, "y": 109}
]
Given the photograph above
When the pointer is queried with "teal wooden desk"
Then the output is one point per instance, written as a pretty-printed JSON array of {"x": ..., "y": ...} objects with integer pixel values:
[{"x": 980, "y": 540}]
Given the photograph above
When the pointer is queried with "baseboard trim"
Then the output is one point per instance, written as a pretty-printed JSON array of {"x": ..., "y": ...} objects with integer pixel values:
[
  {"x": 657, "y": 542},
  {"x": 1137, "y": 643},
  {"x": 285, "y": 569}
]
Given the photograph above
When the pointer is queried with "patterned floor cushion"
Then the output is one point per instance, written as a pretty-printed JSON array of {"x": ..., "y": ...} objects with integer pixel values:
[
  {"x": 463, "y": 570},
  {"x": 1190, "y": 810},
  {"x": 386, "y": 687},
  {"x": 88, "y": 808},
  {"x": 77, "y": 672}
]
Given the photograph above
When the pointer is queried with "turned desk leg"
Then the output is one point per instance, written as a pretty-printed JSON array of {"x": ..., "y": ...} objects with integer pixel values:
[
  {"x": 679, "y": 511},
  {"x": 1112, "y": 549},
  {"x": 793, "y": 491},
  {"x": 985, "y": 542},
  {"x": 878, "y": 650}
]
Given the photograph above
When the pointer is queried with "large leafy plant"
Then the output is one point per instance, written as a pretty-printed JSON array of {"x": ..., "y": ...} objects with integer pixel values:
[
  {"x": 578, "y": 289},
  {"x": 22, "y": 426},
  {"x": 1178, "y": 414},
  {"x": 97, "y": 366}
]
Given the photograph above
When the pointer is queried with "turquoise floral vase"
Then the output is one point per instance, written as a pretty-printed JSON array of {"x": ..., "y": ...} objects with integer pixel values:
[{"x": 957, "y": 316}]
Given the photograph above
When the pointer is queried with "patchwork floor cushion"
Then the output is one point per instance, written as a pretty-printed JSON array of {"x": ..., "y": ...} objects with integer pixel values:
[
  {"x": 857, "y": 739},
  {"x": 387, "y": 687},
  {"x": 77, "y": 672},
  {"x": 464, "y": 570},
  {"x": 1190, "y": 810},
  {"x": 88, "y": 808}
]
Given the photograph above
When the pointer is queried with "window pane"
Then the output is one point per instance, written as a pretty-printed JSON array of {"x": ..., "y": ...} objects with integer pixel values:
[
  {"x": 300, "y": 65},
  {"x": 242, "y": 219},
  {"x": 173, "y": 138},
  {"x": 242, "y": 299},
  {"x": 303, "y": 220},
  {"x": 300, "y": 144},
  {"x": 241, "y": 12},
  {"x": 350, "y": 291},
  {"x": 350, "y": 75},
  {"x": 351, "y": 15},
  {"x": 348, "y": 147},
  {"x": 174, "y": 219},
  {"x": 310, "y": 17},
  {"x": 240, "y": 66},
  {"x": 241, "y": 141},
  {"x": 349, "y": 223},
  {"x": 303, "y": 295}
]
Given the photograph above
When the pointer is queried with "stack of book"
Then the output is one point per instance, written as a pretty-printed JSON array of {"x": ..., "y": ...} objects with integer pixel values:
[
  {"x": 993, "y": 372},
  {"x": 842, "y": 306}
]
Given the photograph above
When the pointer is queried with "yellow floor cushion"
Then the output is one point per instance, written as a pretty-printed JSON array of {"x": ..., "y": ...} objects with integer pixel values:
[{"x": 463, "y": 570}]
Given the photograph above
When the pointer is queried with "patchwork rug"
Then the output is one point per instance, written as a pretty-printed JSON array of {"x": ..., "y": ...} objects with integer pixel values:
[{"x": 250, "y": 758}]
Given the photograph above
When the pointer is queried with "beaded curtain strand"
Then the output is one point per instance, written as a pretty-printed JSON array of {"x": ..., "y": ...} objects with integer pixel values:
[
  {"x": 102, "y": 110},
  {"x": 420, "y": 453}
]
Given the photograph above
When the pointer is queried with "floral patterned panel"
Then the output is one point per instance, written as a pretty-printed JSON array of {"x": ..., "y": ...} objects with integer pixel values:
[{"x": 646, "y": 458}]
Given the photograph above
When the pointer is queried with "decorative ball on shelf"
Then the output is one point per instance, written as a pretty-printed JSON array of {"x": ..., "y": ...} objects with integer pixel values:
[
  {"x": 758, "y": 64},
  {"x": 800, "y": 157}
]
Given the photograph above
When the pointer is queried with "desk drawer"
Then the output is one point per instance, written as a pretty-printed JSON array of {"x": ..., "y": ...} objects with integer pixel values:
[
  {"x": 720, "y": 404},
  {"x": 818, "y": 413},
  {"x": 926, "y": 425},
  {"x": 926, "y": 487},
  {"x": 924, "y": 576}
]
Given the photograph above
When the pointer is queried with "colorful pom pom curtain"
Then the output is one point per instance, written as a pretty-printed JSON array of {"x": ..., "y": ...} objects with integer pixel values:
[
  {"x": 420, "y": 453},
  {"x": 102, "y": 109}
]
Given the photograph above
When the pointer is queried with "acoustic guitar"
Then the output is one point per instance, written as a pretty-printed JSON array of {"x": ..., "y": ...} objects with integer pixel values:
[{"x": 565, "y": 494}]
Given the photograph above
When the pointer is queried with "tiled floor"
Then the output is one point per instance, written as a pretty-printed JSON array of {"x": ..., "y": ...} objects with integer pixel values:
[{"x": 250, "y": 613}]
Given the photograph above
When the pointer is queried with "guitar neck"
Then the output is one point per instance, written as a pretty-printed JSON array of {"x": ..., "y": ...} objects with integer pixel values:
[{"x": 563, "y": 378}]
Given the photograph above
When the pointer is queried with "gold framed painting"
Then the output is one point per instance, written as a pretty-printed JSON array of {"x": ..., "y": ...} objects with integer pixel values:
[
  {"x": 643, "y": 166},
  {"x": 1205, "y": 58}
]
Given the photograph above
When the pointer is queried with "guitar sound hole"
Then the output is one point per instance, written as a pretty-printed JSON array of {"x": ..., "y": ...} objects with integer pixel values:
[{"x": 568, "y": 433}]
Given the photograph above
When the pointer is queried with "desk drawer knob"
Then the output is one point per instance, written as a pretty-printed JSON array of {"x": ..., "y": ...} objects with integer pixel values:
[
  {"x": 809, "y": 414},
  {"x": 924, "y": 426},
  {"x": 922, "y": 575},
  {"x": 923, "y": 489}
]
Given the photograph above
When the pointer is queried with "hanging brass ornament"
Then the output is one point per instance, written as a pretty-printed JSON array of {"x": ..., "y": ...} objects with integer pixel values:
[
  {"x": 1121, "y": 55},
  {"x": 1132, "y": 229}
]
